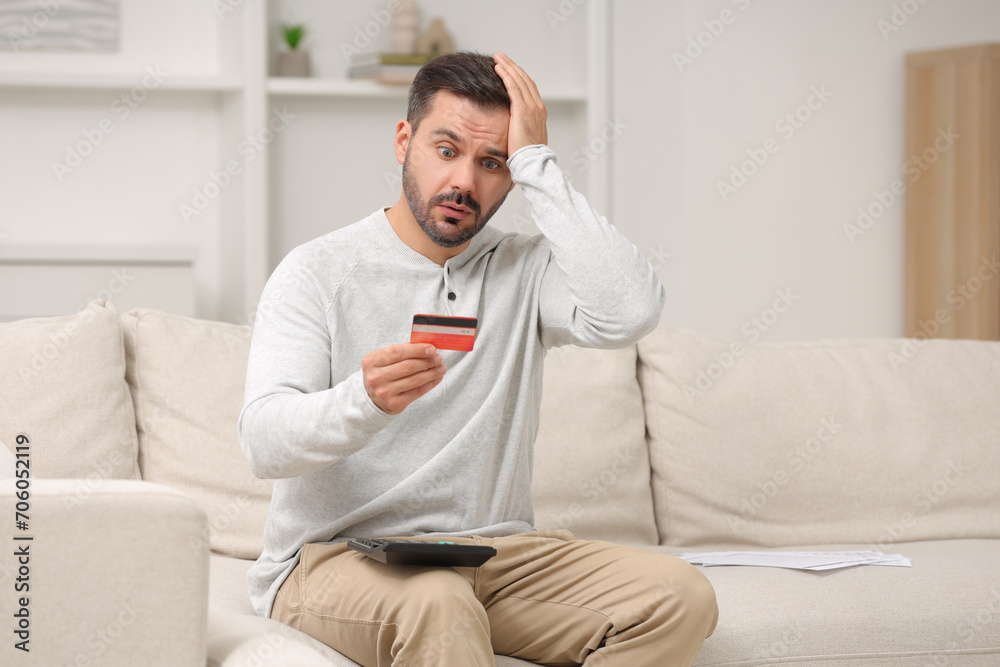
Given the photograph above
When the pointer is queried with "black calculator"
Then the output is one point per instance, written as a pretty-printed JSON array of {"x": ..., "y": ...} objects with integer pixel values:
[{"x": 421, "y": 552}]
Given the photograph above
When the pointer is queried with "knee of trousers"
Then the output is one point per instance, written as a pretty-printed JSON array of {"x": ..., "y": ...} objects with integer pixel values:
[
  {"x": 441, "y": 605},
  {"x": 702, "y": 599},
  {"x": 699, "y": 600},
  {"x": 439, "y": 622},
  {"x": 688, "y": 595}
]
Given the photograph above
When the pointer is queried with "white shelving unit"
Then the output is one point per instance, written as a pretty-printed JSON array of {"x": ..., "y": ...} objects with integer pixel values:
[
  {"x": 337, "y": 150},
  {"x": 115, "y": 82},
  {"x": 64, "y": 278},
  {"x": 299, "y": 87}
]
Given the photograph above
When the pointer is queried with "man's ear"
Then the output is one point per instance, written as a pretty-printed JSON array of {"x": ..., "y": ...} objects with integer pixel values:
[
  {"x": 403, "y": 135},
  {"x": 511, "y": 186}
]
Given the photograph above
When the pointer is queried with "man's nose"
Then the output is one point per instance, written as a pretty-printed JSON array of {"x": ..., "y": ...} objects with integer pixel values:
[{"x": 463, "y": 176}]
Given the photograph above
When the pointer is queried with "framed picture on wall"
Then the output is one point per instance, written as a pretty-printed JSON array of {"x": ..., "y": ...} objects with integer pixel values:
[{"x": 69, "y": 25}]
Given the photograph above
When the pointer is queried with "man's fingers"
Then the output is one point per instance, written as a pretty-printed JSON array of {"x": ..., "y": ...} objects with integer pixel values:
[
  {"x": 518, "y": 82},
  {"x": 396, "y": 403},
  {"x": 392, "y": 396},
  {"x": 397, "y": 375},
  {"x": 527, "y": 111},
  {"x": 388, "y": 373},
  {"x": 408, "y": 381},
  {"x": 512, "y": 79},
  {"x": 417, "y": 392},
  {"x": 417, "y": 380},
  {"x": 394, "y": 354}
]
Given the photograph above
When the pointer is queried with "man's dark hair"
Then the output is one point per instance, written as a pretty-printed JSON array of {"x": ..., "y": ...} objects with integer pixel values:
[{"x": 466, "y": 74}]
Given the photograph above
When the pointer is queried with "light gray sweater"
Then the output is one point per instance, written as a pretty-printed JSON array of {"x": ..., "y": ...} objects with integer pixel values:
[{"x": 457, "y": 461}]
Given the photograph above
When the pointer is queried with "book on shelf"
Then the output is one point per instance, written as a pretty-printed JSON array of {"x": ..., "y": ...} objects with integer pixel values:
[{"x": 397, "y": 68}]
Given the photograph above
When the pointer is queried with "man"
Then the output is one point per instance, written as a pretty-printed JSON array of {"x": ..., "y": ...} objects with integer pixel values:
[{"x": 368, "y": 436}]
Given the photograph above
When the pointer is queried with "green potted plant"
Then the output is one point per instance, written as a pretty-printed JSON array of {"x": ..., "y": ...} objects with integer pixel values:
[{"x": 294, "y": 61}]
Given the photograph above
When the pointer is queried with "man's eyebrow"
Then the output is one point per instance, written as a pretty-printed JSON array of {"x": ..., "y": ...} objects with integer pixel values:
[
  {"x": 445, "y": 132},
  {"x": 448, "y": 133},
  {"x": 496, "y": 153}
]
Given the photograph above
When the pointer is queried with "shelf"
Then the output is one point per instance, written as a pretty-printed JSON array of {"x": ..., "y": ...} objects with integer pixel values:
[
  {"x": 69, "y": 80},
  {"x": 348, "y": 88},
  {"x": 65, "y": 278},
  {"x": 307, "y": 87},
  {"x": 108, "y": 254}
]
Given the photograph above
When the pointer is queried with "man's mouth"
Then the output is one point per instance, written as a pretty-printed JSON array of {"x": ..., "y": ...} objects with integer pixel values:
[{"x": 457, "y": 212}]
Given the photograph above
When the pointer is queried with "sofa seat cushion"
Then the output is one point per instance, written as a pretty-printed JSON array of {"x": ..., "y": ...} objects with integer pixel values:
[
  {"x": 227, "y": 584},
  {"x": 591, "y": 463},
  {"x": 187, "y": 378},
  {"x": 944, "y": 610},
  {"x": 864, "y": 441},
  {"x": 239, "y": 640},
  {"x": 62, "y": 385}
]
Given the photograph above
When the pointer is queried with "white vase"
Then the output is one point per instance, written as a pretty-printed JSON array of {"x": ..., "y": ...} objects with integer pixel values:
[
  {"x": 293, "y": 63},
  {"x": 405, "y": 27}
]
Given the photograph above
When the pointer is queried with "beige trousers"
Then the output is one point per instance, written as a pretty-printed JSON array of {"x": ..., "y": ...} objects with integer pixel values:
[{"x": 545, "y": 597}]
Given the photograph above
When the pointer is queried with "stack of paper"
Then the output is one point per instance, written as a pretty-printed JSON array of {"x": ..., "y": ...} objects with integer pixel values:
[{"x": 799, "y": 560}]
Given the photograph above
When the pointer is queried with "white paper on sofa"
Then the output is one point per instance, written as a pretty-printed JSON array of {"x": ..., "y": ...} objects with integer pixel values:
[{"x": 798, "y": 560}]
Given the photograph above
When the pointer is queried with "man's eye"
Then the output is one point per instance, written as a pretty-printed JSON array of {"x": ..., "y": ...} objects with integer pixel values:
[
  {"x": 491, "y": 164},
  {"x": 446, "y": 152}
]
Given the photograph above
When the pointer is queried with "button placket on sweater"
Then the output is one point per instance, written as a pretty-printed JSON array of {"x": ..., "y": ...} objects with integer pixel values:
[{"x": 449, "y": 290}]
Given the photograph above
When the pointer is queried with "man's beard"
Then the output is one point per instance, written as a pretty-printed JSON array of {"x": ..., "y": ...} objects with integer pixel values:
[{"x": 422, "y": 211}]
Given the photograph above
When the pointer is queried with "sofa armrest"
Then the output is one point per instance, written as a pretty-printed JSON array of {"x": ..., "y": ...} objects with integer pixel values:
[{"x": 115, "y": 573}]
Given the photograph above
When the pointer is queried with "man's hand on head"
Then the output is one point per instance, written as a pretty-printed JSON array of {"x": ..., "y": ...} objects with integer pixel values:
[{"x": 527, "y": 111}]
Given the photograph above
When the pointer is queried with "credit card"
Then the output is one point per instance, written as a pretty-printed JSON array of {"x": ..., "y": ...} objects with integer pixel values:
[{"x": 444, "y": 332}]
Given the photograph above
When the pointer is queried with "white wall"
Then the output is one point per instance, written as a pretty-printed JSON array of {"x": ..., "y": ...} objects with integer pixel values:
[
  {"x": 141, "y": 156},
  {"x": 783, "y": 230},
  {"x": 673, "y": 136}
]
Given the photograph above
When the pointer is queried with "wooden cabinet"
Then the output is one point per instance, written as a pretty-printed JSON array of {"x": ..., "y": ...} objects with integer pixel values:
[{"x": 952, "y": 182}]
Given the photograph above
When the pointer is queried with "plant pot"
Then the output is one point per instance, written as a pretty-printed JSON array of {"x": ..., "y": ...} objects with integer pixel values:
[{"x": 293, "y": 63}]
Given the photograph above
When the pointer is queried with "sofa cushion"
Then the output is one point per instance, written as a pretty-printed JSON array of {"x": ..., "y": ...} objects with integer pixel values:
[
  {"x": 942, "y": 611},
  {"x": 187, "y": 378},
  {"x": 863, "y": 441},
  {"x": 591, "y": 472},
  {"x": 111, "y": 579},
  {"x": 239, "y": 640},
  {"x": 62, "y": 384}
]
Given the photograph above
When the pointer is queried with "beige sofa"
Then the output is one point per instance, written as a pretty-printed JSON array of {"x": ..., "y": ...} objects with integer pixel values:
[{"x": 144, "y": 516}]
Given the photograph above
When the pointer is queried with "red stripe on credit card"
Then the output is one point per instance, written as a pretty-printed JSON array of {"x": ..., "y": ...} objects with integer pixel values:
[{"x": 444, "y": 332}]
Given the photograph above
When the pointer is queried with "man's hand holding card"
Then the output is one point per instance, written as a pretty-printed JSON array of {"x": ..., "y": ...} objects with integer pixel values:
[{"x": 397, "y": 375}]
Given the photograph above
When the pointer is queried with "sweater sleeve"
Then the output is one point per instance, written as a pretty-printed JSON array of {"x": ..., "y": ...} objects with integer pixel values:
[
  {"x": 597, "y": 289},
  {"x": 293, "y": 421}
]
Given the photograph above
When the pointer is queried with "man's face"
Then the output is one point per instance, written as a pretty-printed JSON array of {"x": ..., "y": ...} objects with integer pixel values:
[{"x": 455, "y": 173}]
